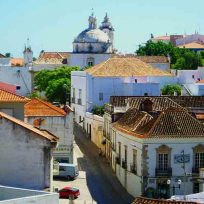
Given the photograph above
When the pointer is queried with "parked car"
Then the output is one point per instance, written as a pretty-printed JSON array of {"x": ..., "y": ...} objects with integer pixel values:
[
  {"x": 66, "y": 192},
  {"x": 67, "y": 171}
]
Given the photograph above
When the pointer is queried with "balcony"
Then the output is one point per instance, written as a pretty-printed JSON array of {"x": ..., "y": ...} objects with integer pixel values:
[
  {"x": 133, "y": 168},
  {"x": 117, "y": 159},
  {"x": 79, "y": 101},
  {"x": 163, "y": 172},
  {"x": 195, "y": 170},
  {"x": 124, "y": 164},
  {"x": 73, "y": 100}
]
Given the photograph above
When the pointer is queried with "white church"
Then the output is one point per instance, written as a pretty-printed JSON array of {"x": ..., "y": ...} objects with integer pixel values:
[{"x": 93, "y": 45}]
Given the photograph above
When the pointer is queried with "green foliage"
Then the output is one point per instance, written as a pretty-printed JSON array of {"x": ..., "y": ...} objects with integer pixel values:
[
  {"x": 55, "y": 83},
  {"x": 8, "y": 54},
  {"x": 34, "y": 94},
  {"x": 170, "y": 89},
  {"x": 98, "y": 110},
  {"x": 181, "y": 58},
  {"x": 58, "y": 90}
]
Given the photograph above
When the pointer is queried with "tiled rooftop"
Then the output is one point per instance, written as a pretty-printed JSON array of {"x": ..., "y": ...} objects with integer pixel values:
[
  {"x": 37, "y": 107},
  {"x": 170, "y": 123},
  {"x": 146, "y": 59},
  {"x": 188, "y": 101},
  {"x": 52, "y": 58},
  {"x": 159, "y": 102},
  {"x": 43, "y": 133},
  {"x": 141, "y": 200},
  {"x": 19, "y": 62},
  {"x": 6, "y": 96},
  {"x": 192, "y": 45},
  {"x": 125, "y": 67},
  {"x": 8, "y": 87}
]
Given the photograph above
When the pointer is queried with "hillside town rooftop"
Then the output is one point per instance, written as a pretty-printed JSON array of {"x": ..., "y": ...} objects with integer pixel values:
[
  {"x": 6, "y": 96},
  {"x": 37, "y": 107},
  {"x": 125, "y": 67}
]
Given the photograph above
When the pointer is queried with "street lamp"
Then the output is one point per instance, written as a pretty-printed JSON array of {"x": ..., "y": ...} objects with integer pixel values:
[{"x": 174, "y": 187}]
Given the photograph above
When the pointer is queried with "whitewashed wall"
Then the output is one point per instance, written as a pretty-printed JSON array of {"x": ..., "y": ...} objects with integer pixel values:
[
  {"x": 19, "y": 76},
  {"x": 62, "y": 127},
  {"x": 24, "y": 156},
  {"x": 80, "y": 59}
]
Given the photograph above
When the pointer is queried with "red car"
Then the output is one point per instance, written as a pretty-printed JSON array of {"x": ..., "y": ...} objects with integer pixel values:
[{"x": 66, "y": 192}]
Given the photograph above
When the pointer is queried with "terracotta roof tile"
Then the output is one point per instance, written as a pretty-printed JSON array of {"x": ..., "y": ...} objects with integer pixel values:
[
  {"x": 172, "y": 122},
  {"x": 141, "y": 200},
  {"x": 201, "y": 81},
  {"x": 17, "y": 62},
  {"x": 165, "y": 37},
  {"x": 8, "y": 87},
  {"x": 146, "y": 59},
  {"x": 37, "y": 107},
  {"x": 159, "y": 102},
  {"x": 52, "y": 58},
  {"x": 192, "y": 45},
  {"x": 133, "y": 119},
  {"x": 6, "y": 96},
  {"x": 125, "y": 67},
  {"x": 188, "y": 101},
  {"x": 43, "y": 133}
]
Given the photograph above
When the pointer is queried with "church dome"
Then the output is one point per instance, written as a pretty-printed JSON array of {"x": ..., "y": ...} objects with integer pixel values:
[{"x": 92, "y": 36}]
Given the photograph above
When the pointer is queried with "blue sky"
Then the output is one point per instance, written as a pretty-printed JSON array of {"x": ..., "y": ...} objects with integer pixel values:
[{"x": 53, "y": 24}]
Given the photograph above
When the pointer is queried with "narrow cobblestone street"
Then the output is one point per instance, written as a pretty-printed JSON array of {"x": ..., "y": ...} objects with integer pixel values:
[
  {"x": 96, "y": 180},
  {"x": 101, "y": 181}
]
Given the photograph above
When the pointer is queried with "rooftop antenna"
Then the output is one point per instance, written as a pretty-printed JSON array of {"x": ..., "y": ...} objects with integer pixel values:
[
  {"x": 92, "y": 12},
  {"x": 28, "y": 43}
]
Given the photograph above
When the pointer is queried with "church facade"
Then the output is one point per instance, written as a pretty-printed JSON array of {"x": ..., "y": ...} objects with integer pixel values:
[{"x": 93, "y": 45}]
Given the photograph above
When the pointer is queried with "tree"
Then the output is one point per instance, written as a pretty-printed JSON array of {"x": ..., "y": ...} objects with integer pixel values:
[
  {"x": 170, "y": 89},
  {"x": 58, "y": 90},
  {"x": 98, "y": 110},
  {"x": 55, "y": 83},
  {"x": 8, "y": 54},
  {"x": 181, "y": 58}
]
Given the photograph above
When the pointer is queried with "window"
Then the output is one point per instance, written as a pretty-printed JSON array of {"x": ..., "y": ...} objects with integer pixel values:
[
  {"x": 100, "y": 96},
  {"x": 125, "y": 153},
  {"x": 196, "y": 188},
  {"x": 119, "y": 150},
  {"x": 198, "y": 152},
  {"x": 73, "y": 90},
  {"x": 134, "y": 158},
  {"x": 90, "y": 62},
  {"x": 133, "y": 166},
  {"x": 18, "y": 87},
  {"x": 80, "y": 93},
  {"x": 199, "y": 160},
  {"x": 163, "y": 158},
  {"x": 163, "y": 161}
]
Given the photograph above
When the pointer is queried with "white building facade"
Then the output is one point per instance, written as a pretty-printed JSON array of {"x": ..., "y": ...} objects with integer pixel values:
[{"x": 155, "y": 153}]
